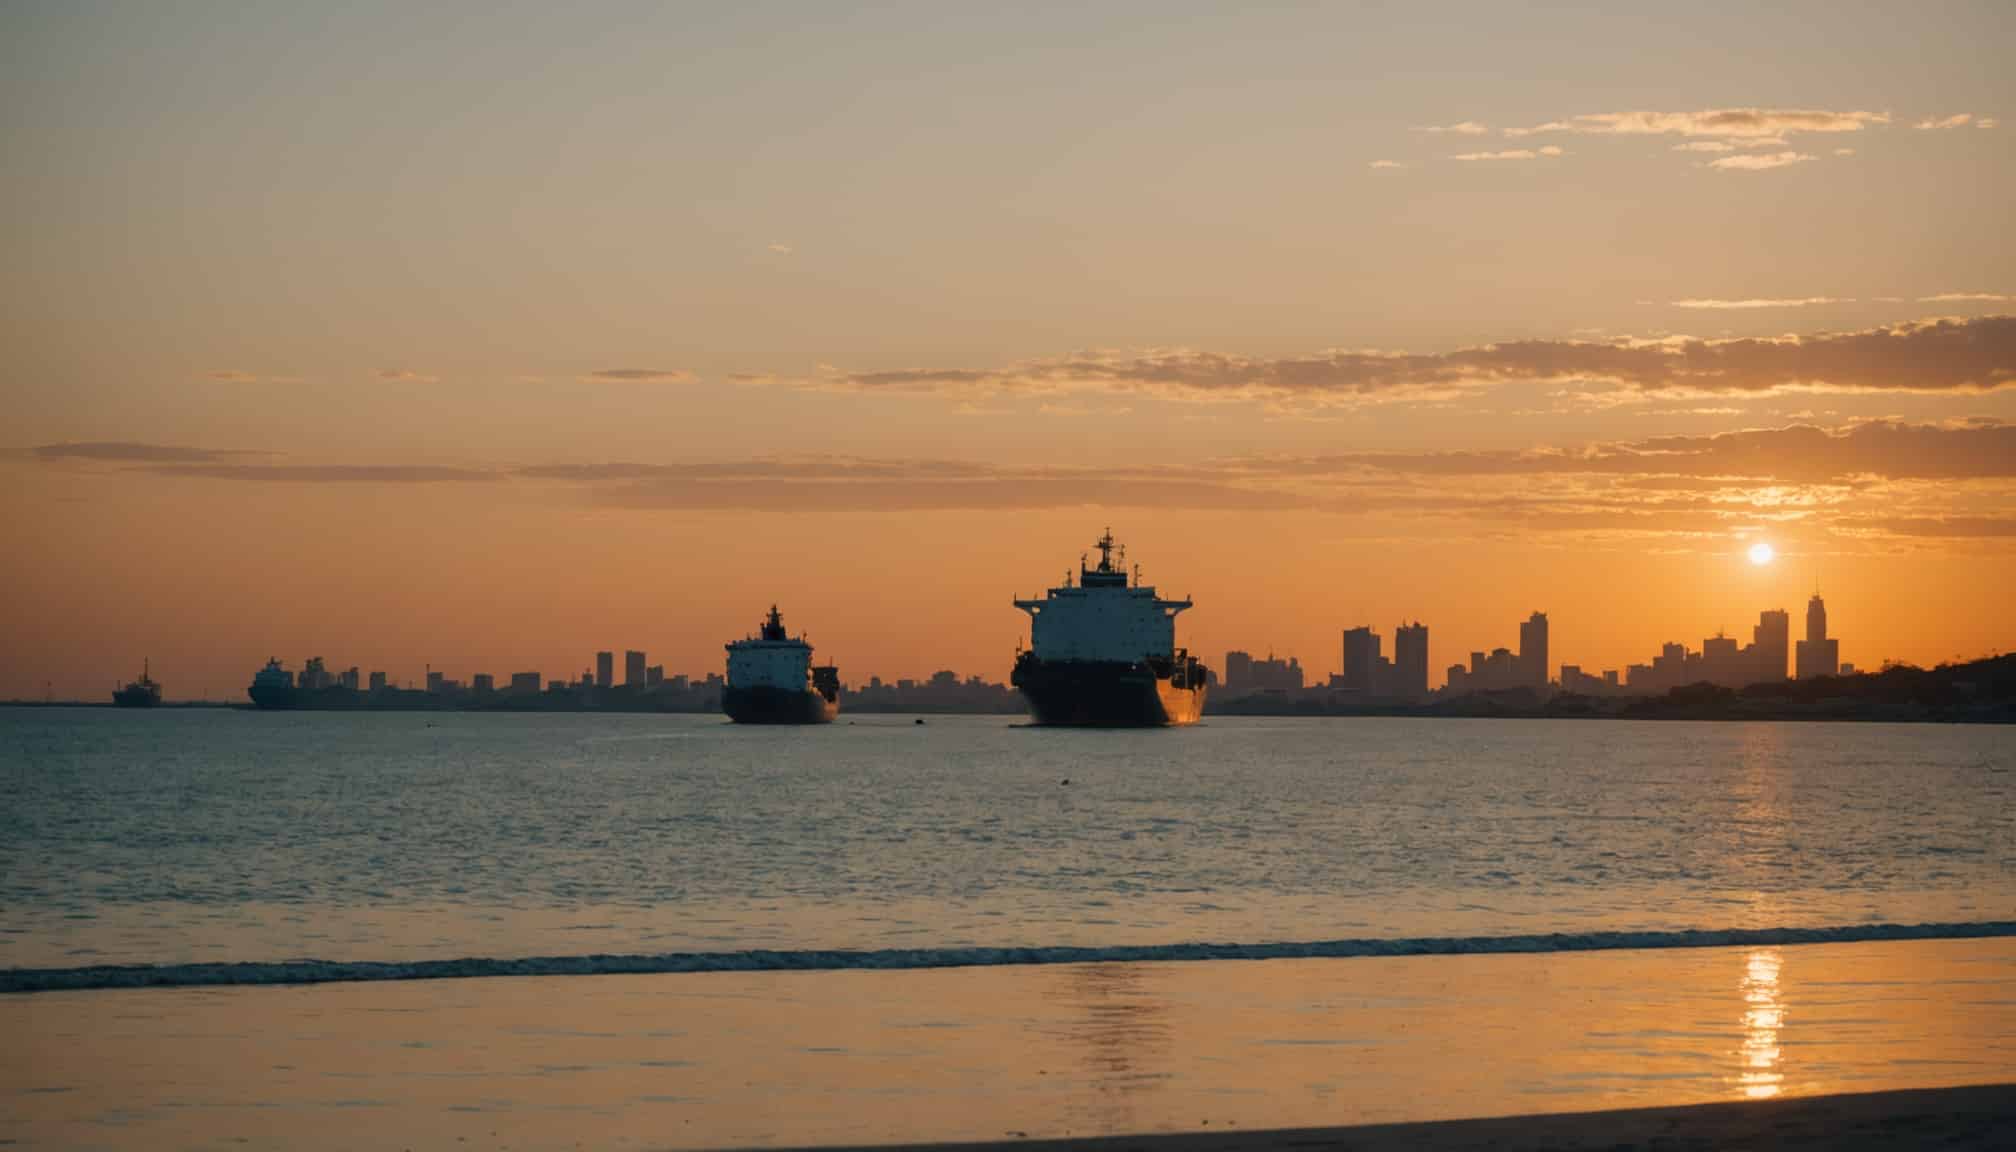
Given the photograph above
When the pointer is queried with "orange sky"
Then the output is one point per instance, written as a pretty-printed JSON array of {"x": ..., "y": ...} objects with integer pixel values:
[{"x": 488, "y": 340}]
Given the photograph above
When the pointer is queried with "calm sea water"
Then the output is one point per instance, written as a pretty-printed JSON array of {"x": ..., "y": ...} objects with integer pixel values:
[{"x": 179, "y": 837}]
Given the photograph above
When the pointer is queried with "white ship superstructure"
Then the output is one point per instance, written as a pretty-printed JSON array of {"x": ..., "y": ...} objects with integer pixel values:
[{"x": 771, "y": 679}]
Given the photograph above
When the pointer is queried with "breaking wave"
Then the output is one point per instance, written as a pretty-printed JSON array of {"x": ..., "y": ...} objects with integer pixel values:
[{"x": 16, "y": 980}]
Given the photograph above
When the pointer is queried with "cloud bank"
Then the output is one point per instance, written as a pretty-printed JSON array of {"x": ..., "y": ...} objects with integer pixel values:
[{"x": 1866, "y": 481}]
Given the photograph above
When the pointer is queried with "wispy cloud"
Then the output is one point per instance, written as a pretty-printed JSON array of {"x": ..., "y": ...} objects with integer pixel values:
[
  {"x": 1945, "y": 355},
  {"x": 1759, "y": 162},
  {"x": 404, "y": 376},
  {"x": 1794, "y": 302},
  {"x": 1464, "y": 128},
  {"x": 1879, "y": 479},
  {"x": 1844, "y": 151},
  {"x": 1987, "y": 122},
  {"x": 135, "y": 452},
  {"x": 1705, "y": 146},
  {"x": 1512, "y": 154},
  {"x": 1386, "y": 164},
  {"x": 1731, "y": 123},
  {"x": 1967, "y": 298},
  {"x": 1959, "y": 120},
  {"x": 781, "y": 249},
  {"x": 640, "y": 376}
]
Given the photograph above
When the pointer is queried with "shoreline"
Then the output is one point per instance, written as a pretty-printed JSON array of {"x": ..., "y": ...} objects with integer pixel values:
[
  {"x": 32, "y": 981},
  {"x": 1289, "y": 711},
  {"x": 1959, "y": 1119}
]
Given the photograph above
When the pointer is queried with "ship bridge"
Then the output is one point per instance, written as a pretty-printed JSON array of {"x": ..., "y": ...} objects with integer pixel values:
[{"x": 1105, "y": 616}]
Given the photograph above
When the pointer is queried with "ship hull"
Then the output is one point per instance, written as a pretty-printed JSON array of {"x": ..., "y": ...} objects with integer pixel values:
[
  {"x": 135, "y": 698},
  {"x": 1086, "y": 694},
  {"x": 765, "y": 705},
  {"x": 274, "y": 696}
]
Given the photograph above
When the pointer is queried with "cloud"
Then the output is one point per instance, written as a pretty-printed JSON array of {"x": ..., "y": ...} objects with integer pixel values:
[
  {"x": 1795, "y": 454},
  {"x": 133, "y": 452},
  {"x": 245, "y": 464},
  {"x": 1866, "y": 481},
  {"x": 1950, "y": 526},
  {"x": 1386, "y": 164},
  {"x": 1731, "y": 123},
  {"x": 1960, "y": 120},
  {"x": 231, "y": 376},
  {"x": 1987, "y": 122},
  {"x": 1934, "y": 356},
  {"x": 1844, "y": 151},
  {"x": 1966, "y": 298},
  {"x": 1511, "y": 154},
  {"x": 1705, "y": 146},
  {"x": 640, "y": 376},
  {"x": 1760, "y": 162},
  {"x": 330, "y": 473},
  {"x": 1465, "y": 128},
  {"x": 781, "y": 249},
  {"x": 1798, "y": 302},
  {"x": 402, "y": 376}
]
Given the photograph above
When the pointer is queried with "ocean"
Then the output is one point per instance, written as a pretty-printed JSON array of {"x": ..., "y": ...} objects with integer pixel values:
[{"x": 227, "y": 846}]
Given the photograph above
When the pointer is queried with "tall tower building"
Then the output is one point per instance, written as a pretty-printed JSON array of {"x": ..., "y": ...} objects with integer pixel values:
[
  {"x": 1361, "y": 658},
  {"x": 1238, "y": 672},
  {"x": 605, "y": 669},
  {"x": 633, "y": 668},
  {"x": 1533, "y": 650},
  {"x": 1771, "y": 642},
  {"x": 1817, "y": 655},
  {"x": 1410, "y": 661}
]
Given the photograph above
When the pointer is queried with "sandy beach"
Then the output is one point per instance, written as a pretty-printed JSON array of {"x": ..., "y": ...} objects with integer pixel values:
[{"x": 1014, "y": 1053}]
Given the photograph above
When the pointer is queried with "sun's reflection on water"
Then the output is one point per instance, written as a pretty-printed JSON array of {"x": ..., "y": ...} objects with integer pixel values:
[{"x": 1763, "y": 1017}]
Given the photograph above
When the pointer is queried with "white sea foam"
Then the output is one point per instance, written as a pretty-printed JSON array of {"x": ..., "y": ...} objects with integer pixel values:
[{"x": 18, "y": 980}]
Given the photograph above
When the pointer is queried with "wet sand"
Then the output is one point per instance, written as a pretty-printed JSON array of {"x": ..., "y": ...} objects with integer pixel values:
[
  {"x": 1955, "y": 1119},
  {"x": 978, "y": 1054}
]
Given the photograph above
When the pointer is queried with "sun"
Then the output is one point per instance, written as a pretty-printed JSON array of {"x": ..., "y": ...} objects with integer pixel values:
[{"x": 1761, "y": 553}]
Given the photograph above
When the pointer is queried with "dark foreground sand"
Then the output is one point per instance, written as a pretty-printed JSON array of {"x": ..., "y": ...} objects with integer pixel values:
[{"x": 1957, "y": 1119}]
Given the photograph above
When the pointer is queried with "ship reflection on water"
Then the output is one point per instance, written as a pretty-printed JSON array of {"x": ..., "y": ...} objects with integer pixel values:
[
  {"x": 1762, "y": 1076},
  {"x": 1120, "y": 1028}
]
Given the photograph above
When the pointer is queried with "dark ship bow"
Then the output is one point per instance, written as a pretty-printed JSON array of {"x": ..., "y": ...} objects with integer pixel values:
[
  {"x": 766, "y": 705},
  {"x": 1100, "y": 694}
]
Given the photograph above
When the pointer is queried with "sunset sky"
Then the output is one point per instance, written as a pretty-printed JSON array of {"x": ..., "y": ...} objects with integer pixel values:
[{"x": 487, "y": 336}]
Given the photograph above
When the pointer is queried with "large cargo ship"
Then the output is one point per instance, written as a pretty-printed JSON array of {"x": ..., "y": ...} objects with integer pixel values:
[
  {"x": 1102, "y": 652},
  {"x": 772, "y": 680},
  {"x": 141, "y": 693}
]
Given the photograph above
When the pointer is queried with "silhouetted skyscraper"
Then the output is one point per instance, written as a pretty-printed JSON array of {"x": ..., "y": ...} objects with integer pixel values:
[
  {"x": 1817, "y": 654},
  {"x": 633, "y": 669},
  {"x": 1771, "y": 642},
  {"x": 605, "y": 669},
  {"x": 1238, "y": 672},
  {"x": 1533, "y": 650},
  {"x": 1410, "y": 661},
  {"x": 1361, "y": 659}
]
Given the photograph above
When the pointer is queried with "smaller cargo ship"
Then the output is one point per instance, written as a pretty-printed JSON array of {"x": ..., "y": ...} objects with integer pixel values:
[
  {"x": 273, "y": 687},
  {"x": 772, "y": 680},
  {"x": 141, "y": 693}
]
